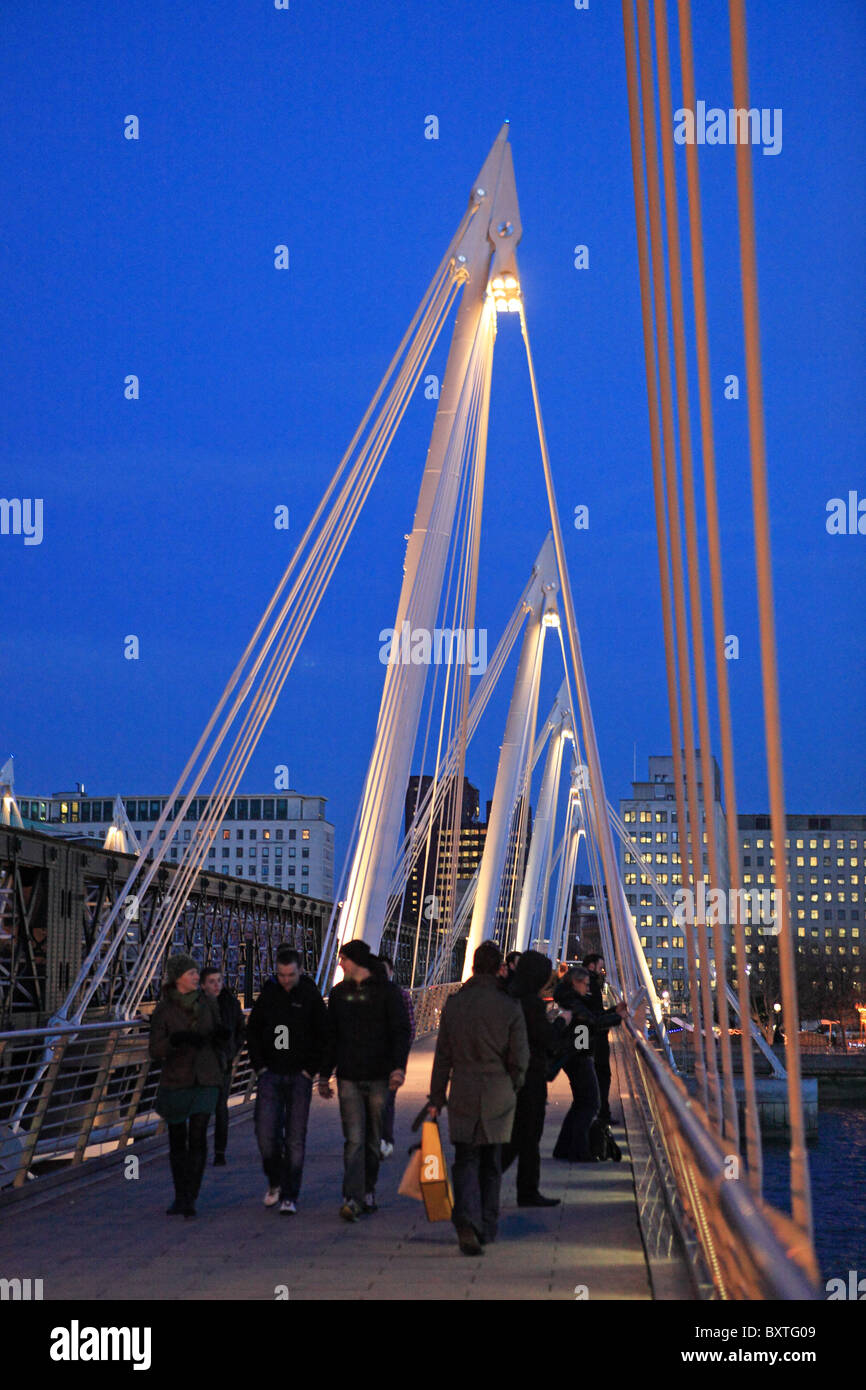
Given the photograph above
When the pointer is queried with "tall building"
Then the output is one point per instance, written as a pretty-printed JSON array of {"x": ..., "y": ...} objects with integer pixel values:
[
  {"x": 584, "y": 933},
  {"x": 826, "y": 862},
  {"x": 280, "y": 840},
  {"x": 650, "y": 816},
  {"x": 472, "y": 834}
]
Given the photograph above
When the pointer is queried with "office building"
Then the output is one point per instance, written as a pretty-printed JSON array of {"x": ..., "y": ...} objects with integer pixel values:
[{"x": 281, "y": 840}]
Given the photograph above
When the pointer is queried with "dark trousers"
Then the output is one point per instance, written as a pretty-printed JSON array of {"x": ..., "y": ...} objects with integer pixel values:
[
  {"x": 282, "y": 1112},
  {"x": 602, "y": 1071},
  {"x": 526, "y": 1137},
  {"x": 362, "y": 1104},
  {"x": 477, "y": 1174},
  {"x": 187, "y": 1153},
  {"x": 388, "y": 1117},
  {"x": 573, "y": 1141},
  {"x": 221, "y": 1116}
]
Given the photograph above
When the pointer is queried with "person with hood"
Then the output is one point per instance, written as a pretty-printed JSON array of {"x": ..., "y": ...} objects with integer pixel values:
[
  {"x": 185, "y": 1036},
  {"x": 481, "y": 1058},
  {"x": 531, "y": 975},
  {"x": 285, "y": 1039},
  {"x": 571, "y": 994}
]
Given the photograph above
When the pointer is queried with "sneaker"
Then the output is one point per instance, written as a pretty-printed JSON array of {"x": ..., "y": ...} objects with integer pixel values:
[
  {"x": 219, "y": 1160},
  {"x": 288, "y": 1208},
  {"x": 369, "y": 1204},
  {"x": 350, "y": 1211},
  {"x": 385, "y": 1149},
  {"x": 272, "y": 1196}
]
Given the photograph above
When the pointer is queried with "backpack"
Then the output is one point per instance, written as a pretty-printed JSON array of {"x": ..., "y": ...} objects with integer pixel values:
[{"x": 602, "y": 1143}]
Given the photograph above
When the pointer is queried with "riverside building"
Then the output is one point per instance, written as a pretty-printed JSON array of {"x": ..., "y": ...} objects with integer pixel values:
[{"x": 284, "y": 841}]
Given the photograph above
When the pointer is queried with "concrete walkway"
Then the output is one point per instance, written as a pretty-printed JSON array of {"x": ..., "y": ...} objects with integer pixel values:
[{"x": 109, "y": 1238}]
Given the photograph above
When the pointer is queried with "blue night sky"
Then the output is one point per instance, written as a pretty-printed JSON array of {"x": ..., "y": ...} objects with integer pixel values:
[{"x": 306, "y": 127}]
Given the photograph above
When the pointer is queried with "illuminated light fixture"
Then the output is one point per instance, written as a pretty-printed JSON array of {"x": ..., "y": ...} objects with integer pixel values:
[
  {"x": 550, "y": 620},
  {"x": 502, "y": 289}
]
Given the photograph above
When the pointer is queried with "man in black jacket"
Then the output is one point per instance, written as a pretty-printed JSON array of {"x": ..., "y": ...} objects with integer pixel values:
[
  {"x": 286, "y": 1038},
  {"x": 232, "y": 1022},
  {"x": 368, "y": 1044},
  {"x": 594, "y": 963}
]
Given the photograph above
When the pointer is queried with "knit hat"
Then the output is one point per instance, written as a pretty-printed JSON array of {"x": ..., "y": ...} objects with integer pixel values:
[
  {"x": 178, "y": 965},
  {"x": 358, "y": 952}
]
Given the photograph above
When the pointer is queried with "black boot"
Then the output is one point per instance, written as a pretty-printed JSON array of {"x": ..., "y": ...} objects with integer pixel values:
[
  {"x": 178, "y": 1173},
  {"x": 197, "y": 1159}
]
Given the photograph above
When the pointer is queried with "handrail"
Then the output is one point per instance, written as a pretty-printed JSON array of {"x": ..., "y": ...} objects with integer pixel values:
[{"x": 749, "y": 1250}]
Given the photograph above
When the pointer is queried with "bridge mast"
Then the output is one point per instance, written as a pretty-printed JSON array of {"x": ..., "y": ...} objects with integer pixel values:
[{"x": 487, "y": 247}]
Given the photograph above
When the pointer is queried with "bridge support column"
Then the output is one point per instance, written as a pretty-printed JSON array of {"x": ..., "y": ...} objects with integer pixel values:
[
  {"x": 382, "y": 808},
  {"x": 533, "y": 899},
  {"x": 512, "y": 759}
]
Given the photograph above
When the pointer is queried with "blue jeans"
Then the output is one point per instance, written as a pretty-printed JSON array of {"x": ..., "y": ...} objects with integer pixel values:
[
  {"x": 361, "y": 1106},
  {"x": 282, "y": 1112}
]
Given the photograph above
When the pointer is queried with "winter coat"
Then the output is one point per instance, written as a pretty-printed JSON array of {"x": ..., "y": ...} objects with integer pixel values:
[
  {"x": 541, "y": 1035},
  {"x": 483, "y": 1050},
  {"x": 302, "y": 1012},
  {"x": 368, "y": 1033},
  {"x": 232, "y": 1019},
  {"x": 601, "y": 1041},
  {"x": 192, "y": 1059},
  {"x": 582, "y": 1013}
]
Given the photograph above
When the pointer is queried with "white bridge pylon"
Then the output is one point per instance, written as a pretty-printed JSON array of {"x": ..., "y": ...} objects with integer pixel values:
[{"x": 478, "y": 273}]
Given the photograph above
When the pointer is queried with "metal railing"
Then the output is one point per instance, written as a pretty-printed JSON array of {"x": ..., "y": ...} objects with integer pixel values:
[
  {"x": 77, "y": 1092},
  {"x": 735, "y": 1247}
]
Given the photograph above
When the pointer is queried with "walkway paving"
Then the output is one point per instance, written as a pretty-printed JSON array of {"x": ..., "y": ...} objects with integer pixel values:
[{"x": 109, "y": 1237}]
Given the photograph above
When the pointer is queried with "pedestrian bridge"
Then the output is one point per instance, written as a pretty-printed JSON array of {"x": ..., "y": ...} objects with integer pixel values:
[
  {"x": 118, "y": 1244},
  {"x": 86, "y": 1156}
]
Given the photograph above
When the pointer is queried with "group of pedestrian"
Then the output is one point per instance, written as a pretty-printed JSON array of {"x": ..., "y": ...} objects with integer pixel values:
[
  {"x": 361, "y": 1038},
  {"x": 497, "y": 1047}
]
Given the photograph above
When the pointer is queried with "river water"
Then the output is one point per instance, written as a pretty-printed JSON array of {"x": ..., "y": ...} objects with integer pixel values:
[{"x": 837, "y": 1162}]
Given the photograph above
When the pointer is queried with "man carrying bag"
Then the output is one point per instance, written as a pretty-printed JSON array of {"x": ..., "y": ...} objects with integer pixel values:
[{"x": 483, "y": 1052}]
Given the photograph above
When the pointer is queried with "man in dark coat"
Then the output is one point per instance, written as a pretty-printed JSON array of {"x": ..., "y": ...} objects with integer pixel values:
[
  {"x": 368, "y": 1043},
  {"x": 594, "y": 963},
  {"x": 286, "y": 1039},
  {"x": 483, "y": 1051},
  {"x": 232, "y": 1020}
]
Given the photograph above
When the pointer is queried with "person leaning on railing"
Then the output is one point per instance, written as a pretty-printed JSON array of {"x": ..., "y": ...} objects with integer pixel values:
[
  {"x": 185, "y": 1035},
  {"x": 584, "y": 1025}
]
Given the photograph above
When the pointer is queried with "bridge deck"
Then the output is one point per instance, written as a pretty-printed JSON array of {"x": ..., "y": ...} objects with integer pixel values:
[{"x": 109, "y": 1238}]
